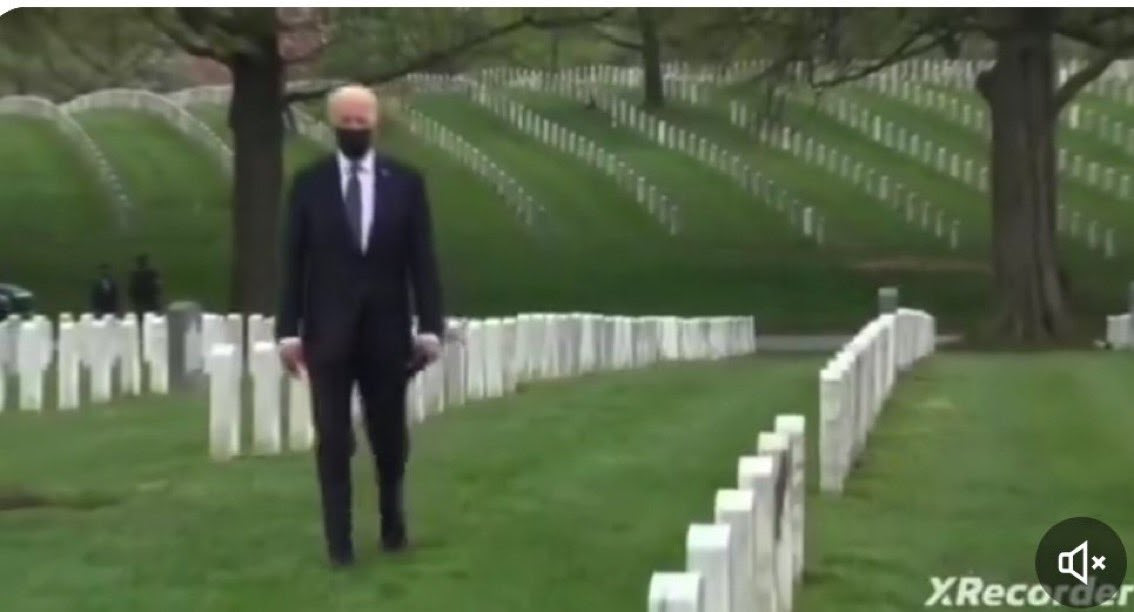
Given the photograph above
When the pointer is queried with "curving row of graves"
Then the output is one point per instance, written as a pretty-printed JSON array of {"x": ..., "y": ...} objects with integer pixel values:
[{"x": 748, "y": 557}]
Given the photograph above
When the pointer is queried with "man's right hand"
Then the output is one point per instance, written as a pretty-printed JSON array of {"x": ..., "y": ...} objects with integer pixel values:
[{"x": 291, "y": 354}]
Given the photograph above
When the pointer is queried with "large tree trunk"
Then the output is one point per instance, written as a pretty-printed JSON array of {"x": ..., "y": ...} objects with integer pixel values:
[
  {"x": 1020, "y": 91},
  {"x": 255, "y": 116},
  {"x": 651, "y": 58}
]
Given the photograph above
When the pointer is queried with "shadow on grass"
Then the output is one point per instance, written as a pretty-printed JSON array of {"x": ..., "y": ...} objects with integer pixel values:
[{"x": 19, "y": 498}]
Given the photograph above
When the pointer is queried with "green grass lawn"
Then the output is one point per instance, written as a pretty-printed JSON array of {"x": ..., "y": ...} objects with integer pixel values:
[
  {"x": 565, "y": 497},
  {"x": 975, "y": 459},
  {"x": 569, "y": 495}
]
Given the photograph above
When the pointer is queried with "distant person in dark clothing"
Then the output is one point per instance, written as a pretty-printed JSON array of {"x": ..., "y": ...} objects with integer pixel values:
[
  {"x": 145, "y": 287},
  {"x": 104, "y": 293}
]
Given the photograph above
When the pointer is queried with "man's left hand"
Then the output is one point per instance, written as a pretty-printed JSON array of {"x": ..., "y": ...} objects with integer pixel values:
[{"x": 426, "y": 350}]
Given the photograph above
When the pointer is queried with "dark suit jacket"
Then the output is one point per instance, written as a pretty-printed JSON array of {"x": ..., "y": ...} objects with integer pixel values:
[
  {"x": 330, "y": 287},
  {"x": 104, "y": 297}
]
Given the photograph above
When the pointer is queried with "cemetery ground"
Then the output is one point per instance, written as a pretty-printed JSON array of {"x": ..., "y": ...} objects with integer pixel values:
[{"x": 568, "y": 495}]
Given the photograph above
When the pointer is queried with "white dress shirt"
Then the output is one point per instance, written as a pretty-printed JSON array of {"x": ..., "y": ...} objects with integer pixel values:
[{"x": 365, "y": 183}]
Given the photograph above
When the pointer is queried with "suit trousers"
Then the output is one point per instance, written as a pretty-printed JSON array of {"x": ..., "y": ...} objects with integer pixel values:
[{"x": 382, "y": 385}]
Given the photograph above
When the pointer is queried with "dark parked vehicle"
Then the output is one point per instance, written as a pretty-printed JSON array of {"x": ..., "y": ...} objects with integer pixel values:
[{"x": 15, "y": 300}]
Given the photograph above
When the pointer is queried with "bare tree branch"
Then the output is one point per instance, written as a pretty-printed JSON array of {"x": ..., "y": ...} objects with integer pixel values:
[
  {"x": 1083, "y": 77},
  {"x": 436, "y": 56},
  {"x": 902, "y": 52},
  {"x": 1090, "y": 34},
  {"x": 615, "y": 40},
  {"x": 191, "y": 42},
  {"x": 1076, "y": 82}
]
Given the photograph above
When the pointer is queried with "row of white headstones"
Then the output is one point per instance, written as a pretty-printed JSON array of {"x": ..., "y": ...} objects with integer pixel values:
[
  {"x": 644, "y": 192},
  {"x": 1120, "y": 331},
  {"x": 914, "y": 209},
  {"x": 957, "y": 166},
  {"x": 89, "y": 152},
  {"x": 750, "y": 558},
  {"x": 918, "y": 211},
  {"x": 481, "y": 359},
  {"x": 1114, "y": 83},
  {"x": 162, "y": 107},
  {"x": 680, "y": 75},
  {"x": 807, "y": 148},
  {"x": 1096, "y": 175},
  {"x": 507, "y": 187},
  {"x": 105, "y": 348},
  {"x": 1120, "y": 327},
  {"x": 803, "y": 217}
]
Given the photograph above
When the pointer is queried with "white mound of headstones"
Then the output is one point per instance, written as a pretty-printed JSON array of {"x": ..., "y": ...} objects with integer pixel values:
[
  {"x": 660, "y": 206},
  {"x": 115, "y": 354},
  {"x": 484, "y": 359},
  {"x": 160, "y": 106},
  {"x": 43, "y": 108},
  {"x": 748, "y": 556},
  {"x": 857, "y": 380}
]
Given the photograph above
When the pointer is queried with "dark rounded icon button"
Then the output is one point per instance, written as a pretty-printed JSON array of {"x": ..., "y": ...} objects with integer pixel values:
[{"x": 1081, "y": 562}]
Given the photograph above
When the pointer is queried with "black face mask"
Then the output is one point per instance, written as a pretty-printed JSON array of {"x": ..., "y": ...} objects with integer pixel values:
[{"x": 353, "y": 143}]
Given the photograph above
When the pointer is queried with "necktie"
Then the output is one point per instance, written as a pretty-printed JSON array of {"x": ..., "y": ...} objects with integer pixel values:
[{"x": 353, "y": 200}]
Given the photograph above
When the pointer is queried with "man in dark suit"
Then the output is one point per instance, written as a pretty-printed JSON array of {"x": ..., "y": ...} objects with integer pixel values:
[
  {"x": 104, "y": 294},
  {"x": 145, "y": 287},
  {"x": 358, "y": 255}
]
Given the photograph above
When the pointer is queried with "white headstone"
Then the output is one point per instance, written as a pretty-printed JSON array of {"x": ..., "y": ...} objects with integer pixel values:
[
  {"x": 99, "y": 356},
  {"x": 30, "y": 364},
  {"x": 676, "y": 592},
  {"x": 224, "y": 402},
  {"x": 737, "y": 509},
  {"x": 757, "y": 474},
  {"x": 265, "y": 367},
  {"x": 300, "y": 428},
  {"x": 155, "y": 351},
  {"x": 129, "y": 364},
  {"x": 69, "y": 359},
  {"x": 709, "y": 552}
]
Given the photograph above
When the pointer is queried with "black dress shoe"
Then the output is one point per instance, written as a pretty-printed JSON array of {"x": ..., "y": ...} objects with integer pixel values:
[
  {"x": 341, "y": 560},
  {"x": 395, "y": 542}
]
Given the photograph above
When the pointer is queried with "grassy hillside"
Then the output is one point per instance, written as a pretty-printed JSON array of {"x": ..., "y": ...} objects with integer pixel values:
[
  {"x": 182, "y": 199},
  {"x": 57, "y": 218},
  {"x": 596, "y": 248}
]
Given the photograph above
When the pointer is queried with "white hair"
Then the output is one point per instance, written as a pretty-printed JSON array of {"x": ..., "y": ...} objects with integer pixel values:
[{"x": 355, "y": 92}]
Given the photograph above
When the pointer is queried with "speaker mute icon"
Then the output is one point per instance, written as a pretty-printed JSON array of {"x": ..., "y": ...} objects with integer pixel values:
[{"x": 1074, "y": 563}]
